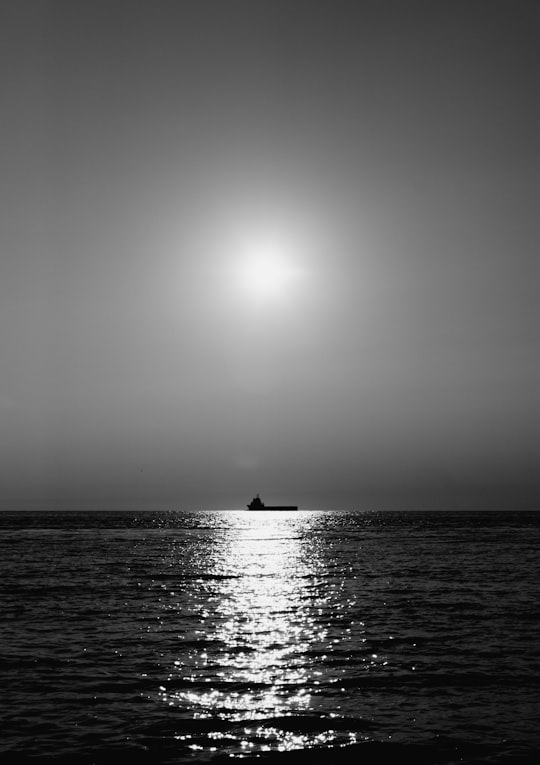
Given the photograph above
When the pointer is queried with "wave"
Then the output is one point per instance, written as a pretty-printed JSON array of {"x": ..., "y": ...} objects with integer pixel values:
[{"x": 158, "y": 751}]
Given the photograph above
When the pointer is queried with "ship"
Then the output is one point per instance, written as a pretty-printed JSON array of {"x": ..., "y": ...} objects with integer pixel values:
[{"x": 257, "y": 504}]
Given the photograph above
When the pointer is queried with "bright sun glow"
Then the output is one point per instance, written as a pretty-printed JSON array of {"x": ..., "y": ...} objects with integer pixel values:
[{"x": 265, "y": 271}]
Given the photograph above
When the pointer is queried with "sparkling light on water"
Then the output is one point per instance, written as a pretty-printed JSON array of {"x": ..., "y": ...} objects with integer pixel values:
[
  {"x": 262, "y": 618},
  {"x": 179, "y": 635}
]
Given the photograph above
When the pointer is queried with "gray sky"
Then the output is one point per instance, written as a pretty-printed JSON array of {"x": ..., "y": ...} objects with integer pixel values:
[{"x": 287, "y": 247}]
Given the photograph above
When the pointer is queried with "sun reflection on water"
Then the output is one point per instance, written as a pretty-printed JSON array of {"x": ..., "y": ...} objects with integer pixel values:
[{"x": 249, "y": 660}]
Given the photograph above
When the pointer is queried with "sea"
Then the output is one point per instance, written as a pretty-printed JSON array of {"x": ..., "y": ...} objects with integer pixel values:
[{"x": 271, "y": 637}]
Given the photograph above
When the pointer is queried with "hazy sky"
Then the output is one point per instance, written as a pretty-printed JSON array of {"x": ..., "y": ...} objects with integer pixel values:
[{"x": 287, "y": 247}]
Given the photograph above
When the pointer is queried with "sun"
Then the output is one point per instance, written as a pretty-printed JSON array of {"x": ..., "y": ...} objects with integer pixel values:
[
  {"x": 266, "y": 276},
  {"x": 266, "y": 271}
]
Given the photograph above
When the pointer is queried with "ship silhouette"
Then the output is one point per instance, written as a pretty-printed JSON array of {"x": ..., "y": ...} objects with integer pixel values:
[{"x": 257, "y": 504}]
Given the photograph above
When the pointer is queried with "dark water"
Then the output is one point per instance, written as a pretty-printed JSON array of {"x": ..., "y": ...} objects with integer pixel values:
[{"x": 189, "y": 637}]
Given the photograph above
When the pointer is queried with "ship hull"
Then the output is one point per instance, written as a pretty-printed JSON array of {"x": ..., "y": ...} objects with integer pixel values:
[{"x": 274, "y": 507}]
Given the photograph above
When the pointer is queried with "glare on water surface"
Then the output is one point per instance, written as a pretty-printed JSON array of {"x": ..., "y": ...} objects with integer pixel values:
[
  {"x": 189, "y": 635},
  {"x": 258, "y": 623}
]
